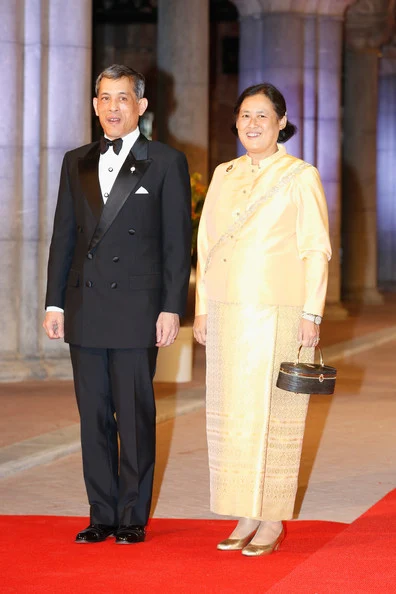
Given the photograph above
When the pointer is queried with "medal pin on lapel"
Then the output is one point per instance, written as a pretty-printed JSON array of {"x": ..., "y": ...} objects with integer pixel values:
[{"x": 133, "y": 169}]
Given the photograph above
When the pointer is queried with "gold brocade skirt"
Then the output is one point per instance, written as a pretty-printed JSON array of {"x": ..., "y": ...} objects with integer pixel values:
[{"x": 254, "y": 429}]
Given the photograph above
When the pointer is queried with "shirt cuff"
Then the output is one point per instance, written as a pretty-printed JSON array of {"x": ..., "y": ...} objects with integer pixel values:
[{"x": 54, "y": 308}]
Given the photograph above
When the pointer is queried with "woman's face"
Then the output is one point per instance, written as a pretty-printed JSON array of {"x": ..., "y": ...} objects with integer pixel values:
[{"x": 258, "y": 126}]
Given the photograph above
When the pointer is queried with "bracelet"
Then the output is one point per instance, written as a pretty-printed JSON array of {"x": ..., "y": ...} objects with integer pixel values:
[{"x": 312, "y": 318}]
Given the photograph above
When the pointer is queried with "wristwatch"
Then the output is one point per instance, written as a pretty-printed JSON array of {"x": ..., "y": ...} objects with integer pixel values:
[{"x": 312, "y": 318}]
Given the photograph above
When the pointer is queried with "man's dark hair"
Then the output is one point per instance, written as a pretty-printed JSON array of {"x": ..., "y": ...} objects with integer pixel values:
[
  {"x": 278, "y": 102},
  {"x": 117, "y": 71}
]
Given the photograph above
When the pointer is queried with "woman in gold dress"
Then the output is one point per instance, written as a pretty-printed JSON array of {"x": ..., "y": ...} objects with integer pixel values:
[{"x": 263, "y": 251}]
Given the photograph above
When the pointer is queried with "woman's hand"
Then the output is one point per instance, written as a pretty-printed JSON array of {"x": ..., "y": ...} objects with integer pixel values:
[
  {"x": 308, "y": 333},
  {"x": 199, "y": 329}
]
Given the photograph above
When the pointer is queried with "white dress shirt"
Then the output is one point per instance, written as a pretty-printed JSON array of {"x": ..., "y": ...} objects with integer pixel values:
[
  {"x": 109, "y": 167},
  {"x": 110, "y": 163}
]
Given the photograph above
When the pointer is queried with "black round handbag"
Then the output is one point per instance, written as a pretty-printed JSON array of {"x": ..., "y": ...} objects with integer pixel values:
[{"x": 307, "y": 378}]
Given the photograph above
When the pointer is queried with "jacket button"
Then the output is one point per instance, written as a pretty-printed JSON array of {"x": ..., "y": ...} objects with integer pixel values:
[
  {"x": 89, "y": 284},
  {"x": 89, "y": 256},
  {"x": 131, "y": 231},
  {"x": 79, "y": 229},
  {"x": 113, "y": 285},
  {"x": 115, "y": 259}
]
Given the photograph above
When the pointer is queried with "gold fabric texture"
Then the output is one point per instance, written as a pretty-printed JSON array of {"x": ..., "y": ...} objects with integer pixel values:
[
  {"x": 254, "y": 429},
  {"x": 263, "y": 251},
  {"x": 280, "y": 254}
]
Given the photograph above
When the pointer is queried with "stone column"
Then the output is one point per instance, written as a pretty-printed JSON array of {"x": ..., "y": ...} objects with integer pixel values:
[
  {"x": 386, "y": 170},
  {"x": 298, "y": 46},
  {"x": 29, "y": 290},
  {"x": 11, "y": 72},
  {"x": 46, "y": 57},
  {"x": 183, "y": 79},
  {"x": 272, "y": 50},
  {"x": 368, "y": 26},
  {"x": 65, "y": 116}
]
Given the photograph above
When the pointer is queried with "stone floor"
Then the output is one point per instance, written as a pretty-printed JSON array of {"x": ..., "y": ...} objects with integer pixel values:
[{"x": 348, "y": 459}]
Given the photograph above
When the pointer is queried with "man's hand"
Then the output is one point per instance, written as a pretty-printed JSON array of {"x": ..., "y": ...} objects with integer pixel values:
[
  {"x": 199, "y": 329},
  {"x": 167, "y": 328},
  {"x": 308, "y": 333},
  {"x": 54, "y": 324}
]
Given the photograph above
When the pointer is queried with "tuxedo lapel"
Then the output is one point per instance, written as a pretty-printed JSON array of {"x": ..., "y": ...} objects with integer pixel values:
[
  {"x": 140, "y": 148},
  {"x": 132, "y": 170},
  {"x": 88, "y": 172}
]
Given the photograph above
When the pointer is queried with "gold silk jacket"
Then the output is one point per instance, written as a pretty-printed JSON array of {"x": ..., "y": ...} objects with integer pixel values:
[{"x": 263, "y": 236}]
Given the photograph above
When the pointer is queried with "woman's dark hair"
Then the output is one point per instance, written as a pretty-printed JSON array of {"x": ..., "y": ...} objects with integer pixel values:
[{"x": 278, "y": 102}]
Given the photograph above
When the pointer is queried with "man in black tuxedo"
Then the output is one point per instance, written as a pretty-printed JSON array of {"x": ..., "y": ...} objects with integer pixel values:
[{"x": 118, "y": 273}]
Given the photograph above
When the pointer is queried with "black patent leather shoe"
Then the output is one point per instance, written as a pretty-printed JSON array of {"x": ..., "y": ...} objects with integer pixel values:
[
  {"x": 95, "y": 533},
  {"x": 130, "y": 534}
]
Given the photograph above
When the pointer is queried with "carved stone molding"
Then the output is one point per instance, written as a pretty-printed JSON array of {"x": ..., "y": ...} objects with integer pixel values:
[
  {"x": 335, "y": 8},
  {"x": 370, "y": 24},
  {"x": 325, "y": 7},
  {"x": 388, "y": 59},
  {"x": 248, "y": 8}
]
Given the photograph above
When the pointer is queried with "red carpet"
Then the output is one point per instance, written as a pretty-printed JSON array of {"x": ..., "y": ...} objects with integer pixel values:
[
  {"x": 362, "y": 558},
  {"x": 38, "y": 555},
  {"x": 179, "y": 556}
]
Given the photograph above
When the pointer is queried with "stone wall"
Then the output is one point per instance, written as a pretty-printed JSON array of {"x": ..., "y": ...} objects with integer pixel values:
[{"x": 46, "y": 67}]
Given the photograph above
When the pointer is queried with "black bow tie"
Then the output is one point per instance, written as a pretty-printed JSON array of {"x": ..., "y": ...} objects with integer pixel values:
[{"x": 105, "y": 143}]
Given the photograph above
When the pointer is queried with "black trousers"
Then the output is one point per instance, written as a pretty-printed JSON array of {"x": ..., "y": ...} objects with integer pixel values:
[{"x": 115, "y": 399}]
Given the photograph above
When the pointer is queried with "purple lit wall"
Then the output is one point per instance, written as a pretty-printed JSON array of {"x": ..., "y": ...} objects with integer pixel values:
[
  {"x": 301, "y": 55},
  {"x": 386, "y": 171},
  {"x": 265, "y": 56}
]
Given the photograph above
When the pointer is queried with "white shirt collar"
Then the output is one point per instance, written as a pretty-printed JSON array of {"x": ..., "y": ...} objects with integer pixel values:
[{"x": 129, "y": 140}]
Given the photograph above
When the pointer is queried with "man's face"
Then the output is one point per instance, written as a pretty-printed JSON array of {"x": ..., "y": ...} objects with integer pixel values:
[{"x": 117, "y": 107}]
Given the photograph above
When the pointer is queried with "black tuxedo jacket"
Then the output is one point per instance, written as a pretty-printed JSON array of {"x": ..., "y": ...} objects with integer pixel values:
[{"x": 113, "y": 268}]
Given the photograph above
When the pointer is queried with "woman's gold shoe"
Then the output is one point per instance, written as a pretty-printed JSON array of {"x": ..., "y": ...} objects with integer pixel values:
[
  {"x": 235, "y": 544},
  {"x": 253, "y": 550}
]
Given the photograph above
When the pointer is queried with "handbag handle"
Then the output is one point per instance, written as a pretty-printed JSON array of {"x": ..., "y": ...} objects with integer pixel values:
[{"x": 316, "y": 347}]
